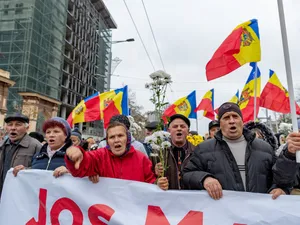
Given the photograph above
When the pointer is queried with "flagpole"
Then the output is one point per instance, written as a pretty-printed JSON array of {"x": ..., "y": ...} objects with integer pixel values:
[
  {"x": 288, "y": 70},
  {"x": 197, "y": 125},
  {"x": 255, "y": 90}
]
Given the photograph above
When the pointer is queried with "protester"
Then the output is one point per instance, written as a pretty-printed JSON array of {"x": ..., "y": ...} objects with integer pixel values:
[
  {"x": 37, "y": 136},
  {"x": 236, "y": 160},
  {"x": 91, "y": 143},
  {"x": 213, "y": 128},
  {"x": 151, "y": 127},
  {"x": 263, "y": 132},
  {"x": 51, "y": 156},
  {"x": 76, "y": 137},
  {"x": 19, "y": 147},
  {"x": 124, "y": 120},
  {"x": 118, "y": 159},
  {"x": 296, "y": 188},
  {"x": 179, "y": 153}
]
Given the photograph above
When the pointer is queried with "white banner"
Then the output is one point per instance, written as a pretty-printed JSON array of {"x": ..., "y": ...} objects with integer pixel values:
[{"x": 35, "y": 197}]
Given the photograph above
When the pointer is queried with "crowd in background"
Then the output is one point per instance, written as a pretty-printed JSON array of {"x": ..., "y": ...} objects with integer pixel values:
[{"x": 231, "y": 156}]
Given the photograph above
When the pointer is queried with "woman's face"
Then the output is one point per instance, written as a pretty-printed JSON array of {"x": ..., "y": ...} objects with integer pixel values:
[
  {"x": 55, "y": 137},
  {"x": 117, "y": 139},
  {"x": 75, "y": 140}
]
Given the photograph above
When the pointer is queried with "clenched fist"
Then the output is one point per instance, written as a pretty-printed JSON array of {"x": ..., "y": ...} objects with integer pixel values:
[{"x": 75, "y": 155}]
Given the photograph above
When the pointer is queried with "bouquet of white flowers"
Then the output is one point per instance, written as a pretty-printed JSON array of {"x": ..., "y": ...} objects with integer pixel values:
[{"x": 159, "y": 142}]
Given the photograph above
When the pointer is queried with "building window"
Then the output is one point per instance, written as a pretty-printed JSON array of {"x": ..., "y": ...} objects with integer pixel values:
[
  {"x": 6, "y": 6},
  {"x": 19, "y": 8}
]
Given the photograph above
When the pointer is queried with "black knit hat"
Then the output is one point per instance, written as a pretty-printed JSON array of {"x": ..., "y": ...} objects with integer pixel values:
[
  {"x": 229, "y": 107},
  {"x": 180, "y": 116},
  {"x": 121, "y": 119}
]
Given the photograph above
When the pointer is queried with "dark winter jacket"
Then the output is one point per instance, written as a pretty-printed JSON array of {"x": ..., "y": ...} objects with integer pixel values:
[
  {"x": 42, "y": 161},
  {"x": 213, "y": 158},
  {"x": 172, "y": 172}
]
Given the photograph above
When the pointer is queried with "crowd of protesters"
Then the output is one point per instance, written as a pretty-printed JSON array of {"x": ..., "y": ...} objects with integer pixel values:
[{"x": 235, "y": 156}]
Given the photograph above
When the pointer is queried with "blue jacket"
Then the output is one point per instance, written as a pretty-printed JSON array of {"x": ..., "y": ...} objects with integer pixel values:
[{"x": 42, "y": 161}]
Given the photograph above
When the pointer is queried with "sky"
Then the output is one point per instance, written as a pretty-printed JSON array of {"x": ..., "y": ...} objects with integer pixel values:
[{"x": 188, "y": 33}]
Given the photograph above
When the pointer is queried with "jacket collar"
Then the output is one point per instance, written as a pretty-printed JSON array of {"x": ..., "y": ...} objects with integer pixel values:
[
  {"x": 187, "y": 147},
  {"x": 249, "y": 136},
  {"x": 25, "y": 142}
]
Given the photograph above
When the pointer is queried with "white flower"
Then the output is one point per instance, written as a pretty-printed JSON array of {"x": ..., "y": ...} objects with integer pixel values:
[
  {"x": 158, "y": 135},
  {"x": 155, "y": 147},
  {"x": 147, "y": 86},
  {"x": 166, "y": 144},
  {"x": 166, "y": 134},
  {"x": 148, "y": 139},
  {"x": 159, "y": 82},
  {"x": 156, "y": 75}
]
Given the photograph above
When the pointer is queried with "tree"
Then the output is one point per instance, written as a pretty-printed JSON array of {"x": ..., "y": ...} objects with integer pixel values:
[{"x": 139, "y": 118}]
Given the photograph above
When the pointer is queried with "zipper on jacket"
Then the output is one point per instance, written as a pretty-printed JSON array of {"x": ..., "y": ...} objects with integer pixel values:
[{"x": 49, "y": 161}]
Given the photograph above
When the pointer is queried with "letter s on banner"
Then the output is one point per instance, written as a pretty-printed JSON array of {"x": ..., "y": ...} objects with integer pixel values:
[
  {"x": 156, "y": 216},
  {"x": 103, "y": 211},
  {"x": 68, "y": 204}
]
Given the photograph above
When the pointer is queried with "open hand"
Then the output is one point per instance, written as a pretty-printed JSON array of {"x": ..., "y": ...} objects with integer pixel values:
[{"x": 213, "y": 188}]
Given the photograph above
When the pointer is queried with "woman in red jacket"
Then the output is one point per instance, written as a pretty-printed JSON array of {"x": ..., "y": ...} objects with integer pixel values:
[{"x": 117, "y": 160}]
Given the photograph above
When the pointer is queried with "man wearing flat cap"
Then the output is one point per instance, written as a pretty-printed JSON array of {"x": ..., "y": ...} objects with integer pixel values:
[
  {"x": 180, "y": 151},
  {"x": 19, "y": 147},
  {"x": 236, "y": 160},
  {"x": 213, "y": 128}
]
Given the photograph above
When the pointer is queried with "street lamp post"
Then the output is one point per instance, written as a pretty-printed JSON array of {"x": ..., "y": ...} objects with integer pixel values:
[{"x": 121, "y": 41}]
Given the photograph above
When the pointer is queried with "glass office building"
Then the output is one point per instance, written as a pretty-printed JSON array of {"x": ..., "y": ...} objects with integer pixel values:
[{"x": 60, "y": 49}]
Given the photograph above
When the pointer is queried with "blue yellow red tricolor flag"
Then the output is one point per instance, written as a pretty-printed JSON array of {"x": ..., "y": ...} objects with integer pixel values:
[
  {"x": 207, "y": 104},
  {"x": 246, "y": 101},
  {"x": 100, "y": 106},
  {"x": 275, "y": 97},
  {"x": 185, "y": 106},
  {"x": 240, "y": 47}
]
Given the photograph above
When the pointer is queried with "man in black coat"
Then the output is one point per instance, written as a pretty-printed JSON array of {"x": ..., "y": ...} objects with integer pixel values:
[{"x": 236, "y": 160}]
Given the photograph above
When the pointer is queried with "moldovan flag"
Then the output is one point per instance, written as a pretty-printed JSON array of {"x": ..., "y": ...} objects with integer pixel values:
[
  {"x": 185, "y": 106},
  {"x": 92, "y": 108},
  {"x": 246, "y": 101},
  {"x": 240, "y": 47},
  {"x": 207, "y": 104},
  {"x": 275, "y": 97},
  {"x": 234, "y": 99}
]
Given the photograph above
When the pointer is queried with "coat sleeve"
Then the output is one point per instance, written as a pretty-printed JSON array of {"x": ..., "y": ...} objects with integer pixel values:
[
  {"x": 284, "y": 170},
  {"x": 194, "y": 172},
  {"x": 90, "y": 165},
  {"x": 148, "y": 173}
]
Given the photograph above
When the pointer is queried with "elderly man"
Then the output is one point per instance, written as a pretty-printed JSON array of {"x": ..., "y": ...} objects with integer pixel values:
[
  {"x": 236, "y": 160},
  {"x": 179, "y": 152},
  {"x": 19, "y": 147}
]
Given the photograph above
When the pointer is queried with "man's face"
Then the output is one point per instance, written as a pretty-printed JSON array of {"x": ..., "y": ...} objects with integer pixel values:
[
  {"x": 16, "y": 130},
  {"x": 117, "y": 139},
  {"x": 148, "y": 132},
  {"x": 213, "y": 131},
  {"x": 231, "y": 125},
  {"x": 179, "y": 131}
]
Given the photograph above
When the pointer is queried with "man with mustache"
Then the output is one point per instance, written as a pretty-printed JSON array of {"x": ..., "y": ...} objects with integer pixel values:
[
  {"x": 19, "y": 147},
  {"x": 179, "y": 153},
  {"x": 236, "y": 160}
]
